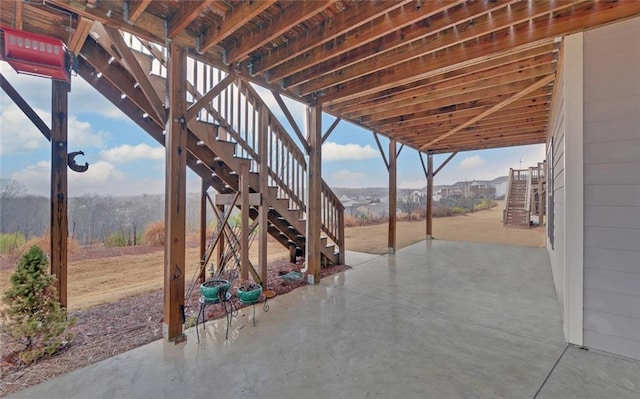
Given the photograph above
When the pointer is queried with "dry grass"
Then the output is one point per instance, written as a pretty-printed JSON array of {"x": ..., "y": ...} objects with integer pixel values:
[
  {"x": 154, "y": 233},
  {"x": 481, "y": 227}
]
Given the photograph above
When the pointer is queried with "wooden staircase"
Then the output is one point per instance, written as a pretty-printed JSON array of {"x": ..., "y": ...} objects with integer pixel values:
[
  {"x": 222, "y": 140},
  {"x": 516, "y": 212},
  {"x": 525, "y": 195}
]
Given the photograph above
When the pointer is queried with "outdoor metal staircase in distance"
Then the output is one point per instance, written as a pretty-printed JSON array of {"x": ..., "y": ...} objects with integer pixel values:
[{"x": 223, "y": 138}]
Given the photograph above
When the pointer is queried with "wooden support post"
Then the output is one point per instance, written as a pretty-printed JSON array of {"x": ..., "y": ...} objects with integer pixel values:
[
  {"x": 429, "y": 216},
  {"x": 175, "y": 197},
  {"x": 59, "y": 194},
  {"x": 203, "y": 228},
  {"x": 221, "y": 243},
  {"x": 314, "y": 206},
  {"x": 264, "y": 204},
  {"x": 393, "y": 196},
  {"x": 244, "y": 221}
]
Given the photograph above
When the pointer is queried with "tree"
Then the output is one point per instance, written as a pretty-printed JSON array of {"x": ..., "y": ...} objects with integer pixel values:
[{"x": 33, "y": 316}]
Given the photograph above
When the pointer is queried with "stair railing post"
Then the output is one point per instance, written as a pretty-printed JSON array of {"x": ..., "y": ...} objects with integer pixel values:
[
  {"x": 263, "y": 123},
  {"x": 244, "y": 220}
]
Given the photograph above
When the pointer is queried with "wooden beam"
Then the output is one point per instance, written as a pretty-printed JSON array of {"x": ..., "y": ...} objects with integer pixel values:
[
  {"x": 19, "y": 13},
  {"x": 292, "y": 121},
  {"x": 540, "y": 83},
  {"x": 203, "y": 101},
  {"x": 80, "y": 35},
  {"x": 326, "y": 134},
  {"x": 25, "y": 107},
  {"x": 203, "y": 228},
  {"x": 255, "y": 199},
  {"x": 188, "y": 12},
  {"x": 372, "y": 33},
  {"x": 446, "y": 161},
  {"x": 384, "y": 157},
  {"x": 175, "y": 196},
  {"x": 393, "y": 198},
  {"x": 314, "y": 207},
  {"x": 294, "y": 14},
  {"x": 263, "y": 215},
  {"x": 136, "y": 70},
  {"x": 244, "y": 220},
  {"x": 399, "y": 150},
  {"x": 135, "y": 10},
  {"x": 424, "y": 168},
  {"x": 236, "y": 19},
  {"x": 429, "y": 216},
  {"x": 59, "y": 191},
  {"x": 350, "y": 19}
]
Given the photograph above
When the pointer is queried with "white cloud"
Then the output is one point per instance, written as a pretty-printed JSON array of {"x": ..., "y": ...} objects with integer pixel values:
[
  {"x": 344, "y": 152},
  {"x": 18, "y": 134},
  {"x": 471, "y": 163},
  {"x": 128, "y": 153}
]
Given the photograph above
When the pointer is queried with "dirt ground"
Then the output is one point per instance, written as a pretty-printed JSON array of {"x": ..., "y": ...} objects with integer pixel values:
[
  {"x": 108, "y": 285},
  {"x": 482, "y": 226}
]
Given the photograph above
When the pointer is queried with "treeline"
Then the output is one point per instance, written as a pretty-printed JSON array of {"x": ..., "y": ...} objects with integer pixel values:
[{"x": 93, "y": 219}]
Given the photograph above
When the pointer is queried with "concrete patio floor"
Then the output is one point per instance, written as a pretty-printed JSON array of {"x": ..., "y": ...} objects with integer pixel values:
[{"x": 440, "y": 320}]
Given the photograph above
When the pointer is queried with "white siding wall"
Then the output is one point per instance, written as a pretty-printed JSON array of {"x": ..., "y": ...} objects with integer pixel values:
[
  {"x": 566, "y": 250},
  {"x": 612, "y": 188},
  {"x": 556, "y": 167}
]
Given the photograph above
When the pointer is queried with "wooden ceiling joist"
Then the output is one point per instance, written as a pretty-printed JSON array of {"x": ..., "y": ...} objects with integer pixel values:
[
  {"x": 417, "y": 39},
  {"x": 135, "y": 9},
  {"x": 80, "y": 35},
  {"x": 537, "y": 85},
  {"x": 236, "y": 19},
  {"x": 451, "y": 95},
  {"x": 497, "y": 92},
  {"x": 188, "y": 12},
  {"x": 392, "y": 22},
  {"x": 425, "y": 88},
  {"x": 353, "y": 18},
  {"x": 295, "y": 14}
]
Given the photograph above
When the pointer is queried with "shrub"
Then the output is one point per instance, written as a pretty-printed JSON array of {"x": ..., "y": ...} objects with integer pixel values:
[
  {"x": 350, "y": 221},
  {"x": 154, "y": 233},
  {"x": 117, "y": 239},
  {"x": 11, "y": 242},
  {"x": 33, "y": 316}
]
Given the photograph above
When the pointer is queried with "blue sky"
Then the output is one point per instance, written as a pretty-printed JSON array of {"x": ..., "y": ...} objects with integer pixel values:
[{"x": 126, "y": 161}]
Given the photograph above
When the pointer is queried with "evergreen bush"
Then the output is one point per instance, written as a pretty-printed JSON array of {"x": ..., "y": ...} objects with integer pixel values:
[{"x": 33, "y": 316}]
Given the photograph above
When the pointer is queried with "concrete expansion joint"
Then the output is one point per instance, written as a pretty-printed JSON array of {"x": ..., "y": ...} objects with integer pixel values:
[{"x": 551, "y": 371}]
